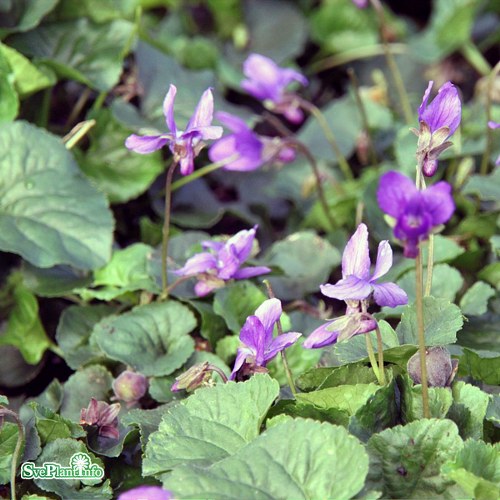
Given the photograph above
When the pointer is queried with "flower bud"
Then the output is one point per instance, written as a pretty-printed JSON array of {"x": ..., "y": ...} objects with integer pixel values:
[
  {"x": 197, "y": 376},
  {"x": 130, "y": 386},
  {"x": 441, "y": 369}
]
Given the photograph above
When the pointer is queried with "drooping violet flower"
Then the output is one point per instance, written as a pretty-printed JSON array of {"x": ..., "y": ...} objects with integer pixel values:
[
  {"x": 103, "y": 415},
  {"x": 361, "y": 4},
  {"x": 260, "y": 346},
  {"x": 416, "y": 212},
  {"x": 355, "y": 288},
  {"x": 438, "y": 122},
  {"x": 267, "y": 82},
  {"x": 251, "y": 150},
  {"x": 495, "y": 125},
  {"x": 184, "y": 145},
  {"x": 222, "y": 262},
  {"x": 130, "y": 387},
  {"x": 146, "y": 493}
]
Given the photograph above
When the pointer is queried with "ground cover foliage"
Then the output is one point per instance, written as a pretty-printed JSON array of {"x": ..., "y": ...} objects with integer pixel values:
[{"x": 209, "y": 322}]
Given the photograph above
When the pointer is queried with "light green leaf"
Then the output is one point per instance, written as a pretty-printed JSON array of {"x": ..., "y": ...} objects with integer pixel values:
[
  {"x": 343, "y": 397},
  {"x": 74, "y": 330},
  {"x": 127, "y": 271},
  {"x": 58, "y": 46},
  {"x": 9, "y": 103},
  {"x": 476, "y": 469},
  {"x": 211, "y": 418},
  {"x": 475, "y": 300},
  {"x": 8, "y": 439},
  {"x": 121, "y": 174},
  {"x": 91, "y": 382},
  {"x": 60, "y": 451},
  {"x": 153, "y": 339},
  {"x": 99, "y": 11},
  {"x": 227, "y": 347},
  {"x": 442, "y": 321},
  {"x": 306, "y": 259},
  {"x": 49, "y": 213},
  {"x": 487, "y": 187},
  {"x": 24, "y": 329},
  {"x": 405, "y": 461},
  {"x": 270, "y": 467}
]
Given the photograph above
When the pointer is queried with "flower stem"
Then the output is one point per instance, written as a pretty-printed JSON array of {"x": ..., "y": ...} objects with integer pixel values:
[
  {"x": 391, "y": 63},
  {"x": 380, "y": 352},
  {"x": 330, "y": 136},
  {"x": 202, "y": 172},
  {"x": 166, "y": 230},
  {"x": 217, "y": 370},
  {"x": 17, "y": 449},
  {"x": 77, "y": 133},
  {"x": 421, "y": 334},
  {"x": 288, "y": 372},
  {"x": 474, "y": 57},
  {"x": 430, "y": 265},
  {"x": 489, "y": 132},
  {"x": 363, "y": 115},
  {"x": 371, "y": 357}
]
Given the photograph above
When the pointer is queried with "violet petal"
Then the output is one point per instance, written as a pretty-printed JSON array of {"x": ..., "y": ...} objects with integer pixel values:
[
  {"x": 356, "y": 258},
  {"x": 389, "y": 294}
]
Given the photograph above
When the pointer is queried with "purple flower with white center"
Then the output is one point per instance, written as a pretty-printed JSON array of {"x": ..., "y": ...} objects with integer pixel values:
[
  {"x": 251, "y": 150},
  {"x": 102, "y": 415},
  {"x": 438, "y": 122},
  {"x": 416, "y": 212},
  {"x": 146, "y": 493},
  {"x": 222, "y": 262},
  {"x": 267, "y": 82},
  {"x": 184, "y": 145},
  {"x": 495, "y": 125},
  {"x": 260, "y": 346}
]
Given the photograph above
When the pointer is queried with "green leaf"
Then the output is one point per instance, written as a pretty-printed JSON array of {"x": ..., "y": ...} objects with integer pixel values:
[
  {"x": 306, "y": 259},
  {"x": 60, "y": 451},
  {"x": 121, "y": 174},
  {"x": 110, "y": 447},
  {"x": 487, "y": 187},
  {"x": 405, "y": 461},
  {"x": 24, "y": 328},
  {"x": 493, "y": 410},
  {"x": 27, "y": 77},
  {"x": 343, "y": 397},
  {"x": 491, "y": 274},
  {"x": 8, "y": 439},
  {"x": 473, "y": 399},
  {"x": 74, "y": 330},
  {"x": 9, "y": 104},
  {"x": 99, "y": 11},
  {"x": 23, "y": 15},
  {"x": 236, "y": 302},
  {"x": 481, "y": 366},
  {"x": 72, "y": 226},
  {"x": 127, "y": 271},
  {"x": 212, "y": 326},
  {"x": 212, "y": 418},
  {"x": 58, "y": 46},
  {"x": 91, "y": 382},
  {"x": 476, "y": 469},
  {"x": 153, "y": 339},
  {"x": 3, "y": 400},
  {"x": 51, "y": 426},
  {"x": 270, "y": 466},
  {"x": 227, "y": 347},
  {"x": 475, "y": 300},
  {"x": 442, "y": 321}
]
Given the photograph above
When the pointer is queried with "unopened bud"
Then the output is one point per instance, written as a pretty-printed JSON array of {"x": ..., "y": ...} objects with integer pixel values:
[
  {"x": 198, "y": 375},
  {"x": 441, "y": 369},
  {"x": 130, "y": 386}
]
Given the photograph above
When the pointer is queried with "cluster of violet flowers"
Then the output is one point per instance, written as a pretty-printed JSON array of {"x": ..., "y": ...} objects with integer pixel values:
[{"x": 415, "y": 212}]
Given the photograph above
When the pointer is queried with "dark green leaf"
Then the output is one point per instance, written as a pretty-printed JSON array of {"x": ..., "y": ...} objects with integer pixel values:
[{"x": 475, "y": 300}]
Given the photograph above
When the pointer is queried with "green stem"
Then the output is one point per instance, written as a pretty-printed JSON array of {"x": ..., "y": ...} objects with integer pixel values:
[
  {"x": 330, "y": 136},
  {"x": 166, "y": 230},
  {"x": 363, "y": 115},
  {"x": 421, "y": 334},
  {"x": 489, "y": 132},
  {"x": 17, "y": 449},
  {"x": 430, "y": 266},
  {"x": 393, "y": 67},
  {"x": 474, "y": 57},
  {"x": 380, "y": 352},
  {"x": 201, "y": 172},
  {"x": 288, "y": 372},
  {"x": 217, "y": 370},
  {"x": 352, "y": 55},
  {"x": 371, "y": 357},
  {"x": 77, "y": 133}
]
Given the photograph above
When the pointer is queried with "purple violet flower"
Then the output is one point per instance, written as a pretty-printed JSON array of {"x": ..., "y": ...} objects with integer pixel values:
[
  {"x": 260, "y": 346},
  {"x": 184, "y": 145},
  {"x": 495, "y": 125},
  {"x": 267, "y": 82},
  {"x": 222, "y": 262},
  {"x": 416, "y": 212},
  {"x": 438, "y": 122},
  {"x": 146, "y": 493},
  {"x": 252, "y": 150},
  {"x": 361, "y": 4},
  {"x": 102, "y": 415}
]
